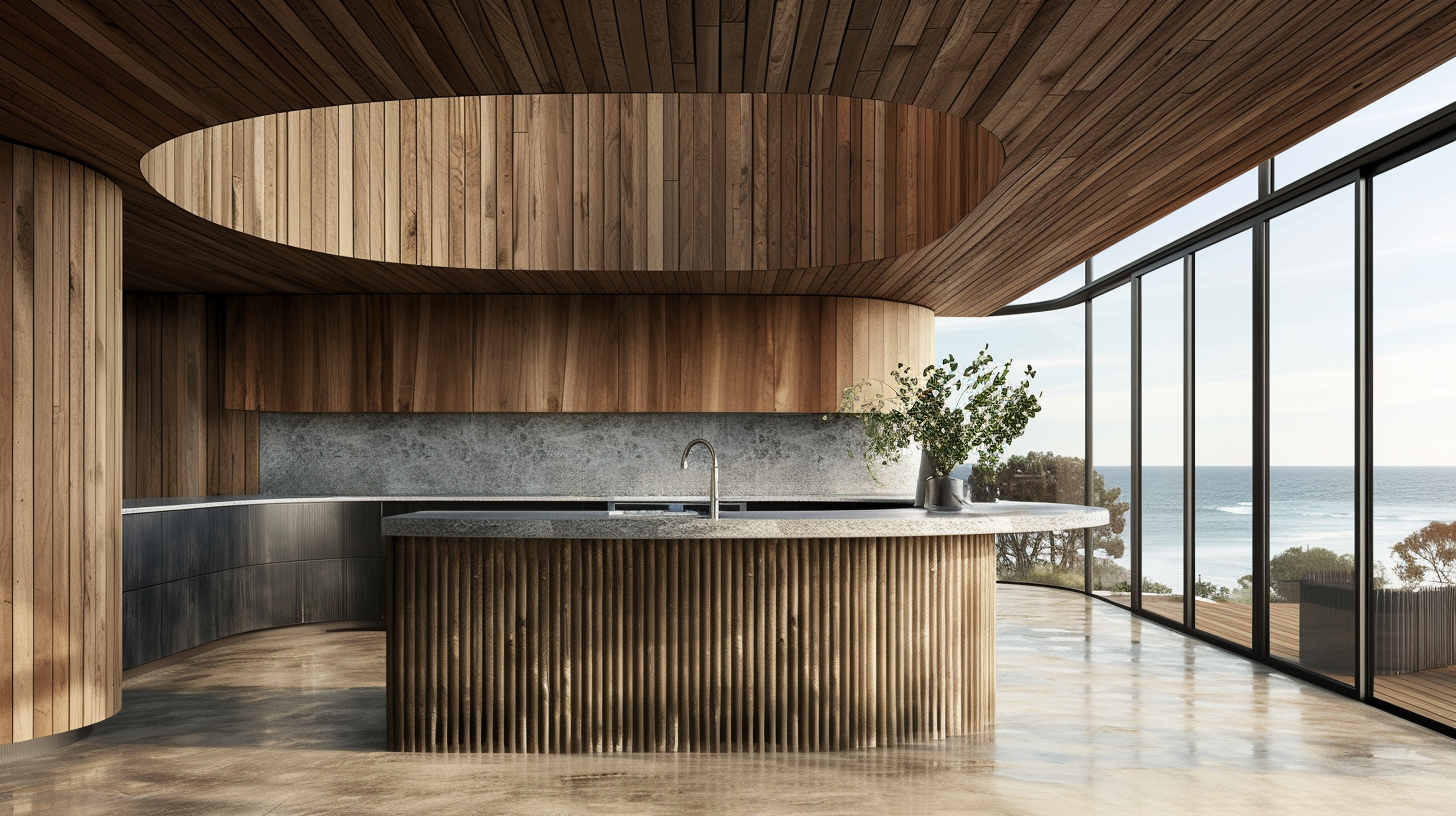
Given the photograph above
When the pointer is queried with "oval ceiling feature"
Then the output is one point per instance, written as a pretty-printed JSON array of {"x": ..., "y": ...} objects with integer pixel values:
[{"x": 605, "y": 182}]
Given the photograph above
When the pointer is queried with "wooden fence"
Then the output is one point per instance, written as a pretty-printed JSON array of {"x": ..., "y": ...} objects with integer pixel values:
[{"x": 1415, "y": 629}]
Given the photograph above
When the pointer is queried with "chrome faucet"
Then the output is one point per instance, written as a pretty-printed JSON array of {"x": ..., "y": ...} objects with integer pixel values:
[{"x": 713, "y": 480}]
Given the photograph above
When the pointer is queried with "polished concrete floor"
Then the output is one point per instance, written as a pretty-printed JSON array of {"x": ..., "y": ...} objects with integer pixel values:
[{"x": 1098, "y": 712}]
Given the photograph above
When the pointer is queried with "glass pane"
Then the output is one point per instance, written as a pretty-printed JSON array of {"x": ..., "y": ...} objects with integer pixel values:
[
  {"x": 1311, "y": 450},
  {"x": 1045, "y": 464},
  {"x": 1162, "y": 441},
  {"x": 1112, "y": 442},
  {"x": 1415, "y": 445},
  {"x": 1068, "y": 281},
  {"x": 1423, "y": 95},
  {"x": 1223, "y": 371},
  {"x": 1197, "y": 213}
]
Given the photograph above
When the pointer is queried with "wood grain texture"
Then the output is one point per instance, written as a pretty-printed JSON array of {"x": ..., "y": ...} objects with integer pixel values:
[
  {"x": 1110, "y": 115},
  {"x": 571, "y": 353},
  {"x": 180, "y": 440},
  {"x": 60, "y": 475},
  {"x": 742, "y": 645},
  {"x": 953, "y": 165},
  {"x": 349, "y": 353}
]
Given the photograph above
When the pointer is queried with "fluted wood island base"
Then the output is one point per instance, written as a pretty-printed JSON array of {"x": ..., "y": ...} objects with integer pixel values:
[
  {"x": 504, "y": 634},
  {"x": 549, "y": 645}
]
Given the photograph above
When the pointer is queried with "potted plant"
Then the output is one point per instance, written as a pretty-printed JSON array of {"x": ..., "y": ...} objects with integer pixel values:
[{"x": 950, "y": 411}]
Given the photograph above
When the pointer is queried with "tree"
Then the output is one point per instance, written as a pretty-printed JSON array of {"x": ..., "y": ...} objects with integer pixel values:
[
  {"x": 1288, "y": 568},
  {"x": 1048, "y": 477},
  {"x": 1428, "y": 554},
  {"x": 1109, "y": 539}
]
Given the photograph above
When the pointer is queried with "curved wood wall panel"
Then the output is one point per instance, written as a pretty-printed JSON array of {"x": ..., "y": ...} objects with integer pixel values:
[
  {"x": 573, "y": 646},
  {"x": 573, "y": 353},
  {"x": 613, "y": 182},
  {"x": 60, "y": 445}
]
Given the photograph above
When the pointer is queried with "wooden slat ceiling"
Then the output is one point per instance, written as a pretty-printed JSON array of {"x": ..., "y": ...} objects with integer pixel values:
[
  {"x": 1111, "y": 114},
  {"x": 686, "y": 183}
]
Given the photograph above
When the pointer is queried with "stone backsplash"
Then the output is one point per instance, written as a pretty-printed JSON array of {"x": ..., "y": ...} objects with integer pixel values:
[{"x": 759, "y": 455}]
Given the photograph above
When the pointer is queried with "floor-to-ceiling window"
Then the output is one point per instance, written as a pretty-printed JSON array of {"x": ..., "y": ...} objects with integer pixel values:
[
  {"x": 1111, "y": 401},
  {"x": 1414, "y": 362},
  {"x": 1231, "y": 386},
  {"x": 1223, "y": 500},
  {"x": 1160, "y": 509},
  {"x": 1311, "y": 427}
]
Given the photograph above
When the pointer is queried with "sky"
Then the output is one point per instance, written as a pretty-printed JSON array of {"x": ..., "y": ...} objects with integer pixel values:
[{"x": 1311, "y": 319}]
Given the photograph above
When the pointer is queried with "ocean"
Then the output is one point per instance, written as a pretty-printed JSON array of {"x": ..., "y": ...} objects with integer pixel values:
[{"x": 1308, "y": 507}]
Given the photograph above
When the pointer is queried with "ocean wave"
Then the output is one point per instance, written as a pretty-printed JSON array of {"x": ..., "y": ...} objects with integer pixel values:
[
  {"x": 1302, "y": 539},
  {"x": 1245, "y": 509}
]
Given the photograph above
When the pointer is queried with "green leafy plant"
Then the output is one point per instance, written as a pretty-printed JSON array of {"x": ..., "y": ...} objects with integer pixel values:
[
  {"x": 948, "y": 409},
  {"x": 1150, "y": 587}
]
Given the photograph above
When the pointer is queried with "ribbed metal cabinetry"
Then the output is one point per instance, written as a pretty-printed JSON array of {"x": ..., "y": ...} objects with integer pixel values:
[{"x": 192, "y": 576}]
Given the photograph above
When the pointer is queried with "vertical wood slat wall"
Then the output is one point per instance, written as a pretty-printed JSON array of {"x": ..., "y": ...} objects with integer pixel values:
[
  {"x": 551, "y": 646},
  {"x": 549, "y": 353},
  {"x": 629, "y": 182},
  {"x": 180, "y": 440},
  {"x": 60, "y": 445}
]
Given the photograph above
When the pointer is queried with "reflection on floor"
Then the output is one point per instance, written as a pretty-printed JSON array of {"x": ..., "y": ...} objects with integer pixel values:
[
  {"x": 1235, "y": 621},
  {"x": 1098, "y": 712},
  {"x": 1430, "y": 693}
]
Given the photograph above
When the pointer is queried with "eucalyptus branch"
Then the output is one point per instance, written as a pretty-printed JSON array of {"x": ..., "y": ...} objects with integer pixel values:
[{"x": 949, "y": 409}]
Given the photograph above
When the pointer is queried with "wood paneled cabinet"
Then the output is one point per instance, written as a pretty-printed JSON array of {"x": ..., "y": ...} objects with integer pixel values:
[
  {"x": 179, "y": 440},
  {"x": 554, "y": 353}
]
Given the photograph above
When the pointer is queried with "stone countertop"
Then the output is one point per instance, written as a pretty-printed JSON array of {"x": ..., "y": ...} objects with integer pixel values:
[
  {"x": 977, "y": 519},
  {"x": 130, "y": 506}
]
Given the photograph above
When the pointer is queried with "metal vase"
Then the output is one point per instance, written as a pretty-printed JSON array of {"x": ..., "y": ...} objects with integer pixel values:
[
  {"x": 927, "y": 469},
  {"x": 944, "y": 494}
]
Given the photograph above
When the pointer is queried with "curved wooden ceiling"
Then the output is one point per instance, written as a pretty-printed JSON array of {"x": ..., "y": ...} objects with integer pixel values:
[
  {"x": 615, "y": 183},
  {"x": 1111, "y": 114}
]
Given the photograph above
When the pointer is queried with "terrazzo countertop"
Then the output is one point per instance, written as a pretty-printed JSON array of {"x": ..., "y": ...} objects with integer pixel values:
[{"x": 977, "y": 519}]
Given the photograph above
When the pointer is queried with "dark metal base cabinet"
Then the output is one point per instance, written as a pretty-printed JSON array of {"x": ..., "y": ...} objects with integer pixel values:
[{"x": 197, "y": 575}]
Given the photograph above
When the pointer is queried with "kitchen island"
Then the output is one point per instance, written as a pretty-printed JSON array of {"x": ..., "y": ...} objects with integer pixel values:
[{"x": 589, "y": 631}]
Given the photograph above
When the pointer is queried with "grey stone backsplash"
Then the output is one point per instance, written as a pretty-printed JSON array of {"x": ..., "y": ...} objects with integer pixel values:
[{"x": 759, "y": 455}]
